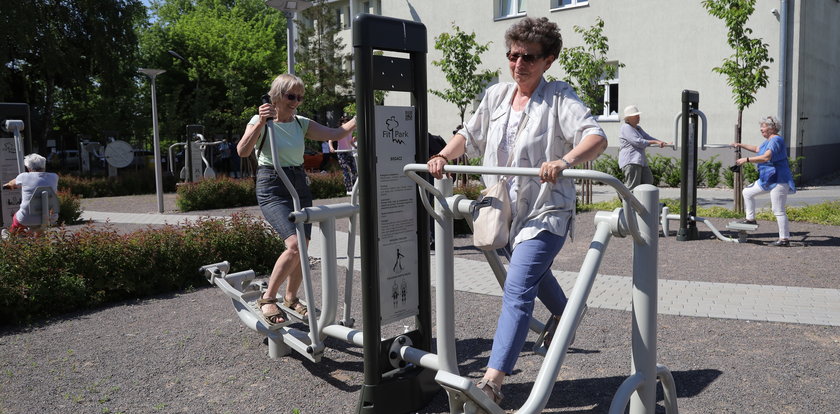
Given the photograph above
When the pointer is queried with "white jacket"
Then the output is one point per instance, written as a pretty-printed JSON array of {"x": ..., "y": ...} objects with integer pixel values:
[{"x": 553, "y": 122}]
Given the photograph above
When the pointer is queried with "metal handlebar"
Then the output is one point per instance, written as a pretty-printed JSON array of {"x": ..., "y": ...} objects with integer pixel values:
[
  {"x": 703, "y": 134},
  {"x": 630, "y": 201}
]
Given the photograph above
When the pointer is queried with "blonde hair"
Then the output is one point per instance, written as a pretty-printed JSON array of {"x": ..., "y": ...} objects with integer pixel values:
[{"x": 282, "y": 85}]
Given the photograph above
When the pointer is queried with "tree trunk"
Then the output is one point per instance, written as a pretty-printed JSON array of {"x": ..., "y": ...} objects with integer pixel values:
[
  {"x": 738, "y": 180},
  {"x": 47, "y": 121}
]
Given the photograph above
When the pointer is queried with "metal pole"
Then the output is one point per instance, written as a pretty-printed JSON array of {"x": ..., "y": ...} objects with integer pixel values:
[
  {"x": 290, "y": 42},
  {"x": 156, "y": 146},
  {"x": 681, "y": 233},
  {"x": 644, "y": 302}
]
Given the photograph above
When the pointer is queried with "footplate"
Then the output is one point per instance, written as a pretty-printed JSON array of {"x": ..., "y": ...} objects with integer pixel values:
[{"x": 465, "y": 395}]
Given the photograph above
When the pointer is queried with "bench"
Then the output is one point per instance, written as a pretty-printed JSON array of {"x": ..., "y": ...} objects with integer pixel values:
[{"x": 742, "y": 229}]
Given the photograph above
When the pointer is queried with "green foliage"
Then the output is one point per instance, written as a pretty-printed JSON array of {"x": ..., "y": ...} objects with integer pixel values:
[
  {"x": 587, "y": 67},
  {"x": 673, "y": 176},
  {"x": 748, "y": 171},
  {"x": 327, "y": 185},
  {"x": 471, "y": 190},
  {"x": 62, "y": 271},
  {"x": 796, "y": 167},
  {"x": 746, "y": 69},
  {"x": 708, "y": 172},
  {"x": 234, "y": 50},
  {"x": 608, "y": 164},
  {"x": 660, "y": 167},
  {"x": 74, "y": 62},
  {"x": 223, "y": 192},
  {"x": 461, "y": 58},
  {"x": 827, "y": 213},
  {"x": 320, "y": 61},
  {"x": 128, "y": 183},
  {"x": 70, "y": 208},
  {"x": 220, "y": 192}
]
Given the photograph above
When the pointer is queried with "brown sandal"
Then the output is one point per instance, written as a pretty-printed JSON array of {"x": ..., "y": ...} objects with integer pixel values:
[
  {"x": 493, "y": 391},
  {"x": 296, "y": 306},
  {"x": 276, "y": 317}
]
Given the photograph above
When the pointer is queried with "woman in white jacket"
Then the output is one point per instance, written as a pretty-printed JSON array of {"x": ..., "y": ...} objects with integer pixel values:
[{"x": 528, "y": 123}]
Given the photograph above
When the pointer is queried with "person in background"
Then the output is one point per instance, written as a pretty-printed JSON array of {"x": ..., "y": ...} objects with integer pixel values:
[
  {"x": 344, "y": 148},
  {"x": 274, "y": 198},
  {"x": 774, "y": 176},
  {"x": 632, "y": 142},
  {"x": 528, "y": 123},
  {"x": 34, "y": 177},
  {"x": 327, "y": 155}
]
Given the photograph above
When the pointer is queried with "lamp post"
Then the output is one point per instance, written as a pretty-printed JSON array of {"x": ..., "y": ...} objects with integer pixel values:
[
  {"x": 289, "y": 8},
  {"x": 152, "y": 74}
]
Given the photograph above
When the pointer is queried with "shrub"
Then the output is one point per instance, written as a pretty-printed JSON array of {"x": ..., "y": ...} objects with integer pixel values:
[
  {"x": 60, "y": 271},
  {"x": 221, "y": 192},
  {"x": 708, "y": 172},
  {"x": 70, "y": 208},
  {"x": 127, "y": 183},
  {"x": 660, "y": 166},
  {"x": 673, "y": 176},
  {"x": 327, "y": 185},
  {"x": 609, "y": 165},
  {"x": 748, "y": 171}
]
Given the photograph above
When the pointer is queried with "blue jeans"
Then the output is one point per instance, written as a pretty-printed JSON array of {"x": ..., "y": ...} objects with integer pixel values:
[
  {"x": 276, "y": 201},
  {"x": 529, "y": 276}
]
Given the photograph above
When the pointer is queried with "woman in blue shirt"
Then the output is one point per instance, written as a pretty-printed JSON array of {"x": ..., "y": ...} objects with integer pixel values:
[{"x": 774, "y": 176}]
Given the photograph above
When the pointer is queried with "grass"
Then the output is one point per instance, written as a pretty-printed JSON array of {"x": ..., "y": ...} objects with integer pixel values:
[{"x": 827, "y": 213}]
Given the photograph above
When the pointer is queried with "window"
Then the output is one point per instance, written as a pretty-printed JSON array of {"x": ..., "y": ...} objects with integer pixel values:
[
  {"x": 610, "y": 112},
  {"x": 371, "y": 7},
  {"x": 509, "y": 8},
  {"x": 558, "y": 4}
]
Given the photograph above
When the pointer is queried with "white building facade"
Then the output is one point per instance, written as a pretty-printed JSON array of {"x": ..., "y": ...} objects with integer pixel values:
[{"x": 666, "y": 46}]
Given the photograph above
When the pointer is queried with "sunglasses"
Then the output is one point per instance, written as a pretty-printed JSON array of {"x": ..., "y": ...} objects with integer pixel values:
[
  {"x": 292, "y": 97},
  {"x": 513, "y": 57}
]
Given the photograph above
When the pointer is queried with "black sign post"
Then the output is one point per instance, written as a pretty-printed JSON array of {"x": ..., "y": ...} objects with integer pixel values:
[
  {"x": 395, "y": 226},
  {"x": 688, "y": 187}
]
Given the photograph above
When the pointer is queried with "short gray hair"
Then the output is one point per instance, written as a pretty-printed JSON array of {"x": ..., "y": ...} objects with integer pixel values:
[
  {"x": 35, "y": 162},
  {"x": 772, "y": 122}
]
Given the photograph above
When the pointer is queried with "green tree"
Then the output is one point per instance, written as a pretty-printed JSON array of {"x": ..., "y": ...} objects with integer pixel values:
[
  {"x": 587, "y": 66},
  {"x": 232, "y": 49},
  {"x": 461, "y": 58},
  {"x": 73, "y": 62},
  {"x": 745, "y": 69},
  {"x": 321, "y": 62}
]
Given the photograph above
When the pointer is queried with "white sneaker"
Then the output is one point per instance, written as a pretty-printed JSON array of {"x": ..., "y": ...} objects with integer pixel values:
[{"x": 5, "y": 234}]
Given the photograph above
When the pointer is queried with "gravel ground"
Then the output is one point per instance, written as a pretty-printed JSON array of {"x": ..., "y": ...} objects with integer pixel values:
[{"x": 188, "y": 352}]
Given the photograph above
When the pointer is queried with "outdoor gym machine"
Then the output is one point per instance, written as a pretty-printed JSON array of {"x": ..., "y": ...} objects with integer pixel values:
[
  {"x": 195, "y": 155},
  {"x": 637, "y": 219},
  {"x": 14, "y": 118},
  {"x": 686, "y": 126},
  {"x": 401, "y": 371}
]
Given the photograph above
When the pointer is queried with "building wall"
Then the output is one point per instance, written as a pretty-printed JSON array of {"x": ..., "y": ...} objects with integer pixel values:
[
  {"x": 816, "y": 98},
  {"x": 667, "y": 46}
]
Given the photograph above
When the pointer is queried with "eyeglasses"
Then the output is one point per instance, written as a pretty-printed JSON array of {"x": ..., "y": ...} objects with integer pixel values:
[
  {"x": 513, "y": 57},
  {"x": 292, "y": 97}
]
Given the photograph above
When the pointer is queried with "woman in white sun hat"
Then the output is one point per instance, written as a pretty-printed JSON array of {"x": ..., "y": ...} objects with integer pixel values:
[{"x": 632, "y": 141}]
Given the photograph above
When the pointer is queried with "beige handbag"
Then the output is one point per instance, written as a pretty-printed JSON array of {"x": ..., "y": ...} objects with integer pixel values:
[{"x": 492, "y": 217}]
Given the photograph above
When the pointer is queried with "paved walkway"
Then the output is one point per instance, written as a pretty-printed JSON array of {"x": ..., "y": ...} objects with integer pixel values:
[{"x": 676, "y": 297}]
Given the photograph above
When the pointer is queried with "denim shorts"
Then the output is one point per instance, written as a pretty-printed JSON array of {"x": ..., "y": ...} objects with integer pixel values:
[{"x": 276, "y": 202}]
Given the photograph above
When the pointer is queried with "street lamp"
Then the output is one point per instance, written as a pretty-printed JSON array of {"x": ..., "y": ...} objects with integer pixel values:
[
  {"x": 289, "y": 8},
  {"x": 152, "y": 74}
]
